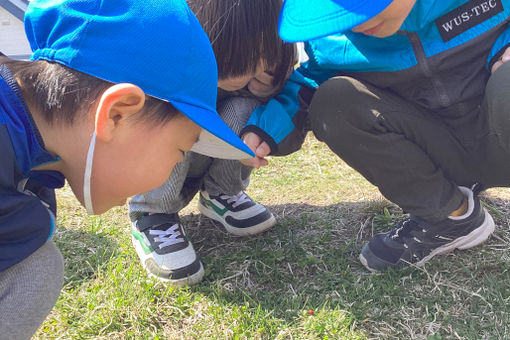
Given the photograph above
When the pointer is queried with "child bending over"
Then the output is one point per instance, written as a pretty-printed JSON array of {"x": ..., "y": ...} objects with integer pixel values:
[
  {"x": 90, "y": 108},
  {"x": 253, "y": 63},
  {"x": 414, "y": 95}
]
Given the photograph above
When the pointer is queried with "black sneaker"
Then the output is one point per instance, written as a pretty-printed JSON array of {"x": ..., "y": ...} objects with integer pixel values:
[
  {"x": 415, "y": 241},
  {"x": 239, "y": 214},
  {"x": 165, "y": 251}
]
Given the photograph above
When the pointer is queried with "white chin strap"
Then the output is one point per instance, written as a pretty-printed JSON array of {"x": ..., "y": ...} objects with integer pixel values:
[{"x": 87, "y": 199}]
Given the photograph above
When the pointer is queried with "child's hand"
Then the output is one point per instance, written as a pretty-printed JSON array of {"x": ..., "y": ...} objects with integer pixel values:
[
  {"x": 262, "y": 85},
  {"x": 504, "y": 58},
  {"x": 259, "y": 147}
]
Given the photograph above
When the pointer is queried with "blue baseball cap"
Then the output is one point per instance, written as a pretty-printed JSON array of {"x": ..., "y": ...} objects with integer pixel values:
[
  {"x": 302, "y": 20},
  {"x": 157, "y": 45}
]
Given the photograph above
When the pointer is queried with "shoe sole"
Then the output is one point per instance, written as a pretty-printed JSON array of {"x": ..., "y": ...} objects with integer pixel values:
[
  {"x": 253, "y": 230},
  {"x": 474, "y": 238},
  {"x": 187, "y": 281}
]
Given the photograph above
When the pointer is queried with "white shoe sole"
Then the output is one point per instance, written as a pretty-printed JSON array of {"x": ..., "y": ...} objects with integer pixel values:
[
  {"x": 474, "y": 238},
  {"x": 187, "y": 281}
]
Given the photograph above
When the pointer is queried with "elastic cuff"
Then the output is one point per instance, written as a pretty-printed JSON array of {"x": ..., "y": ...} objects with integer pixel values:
[
  {"x": 262, "y": 134},
  {"x": 497, "y": 56},
  {"x": 468, "y": 194},
  {"x": 453, "y": 204}
]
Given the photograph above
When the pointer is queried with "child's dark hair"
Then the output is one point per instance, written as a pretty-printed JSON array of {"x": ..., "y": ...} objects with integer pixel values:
[
  {"x": 61, "y": 93},
  {"x": 243, "y": 32}
]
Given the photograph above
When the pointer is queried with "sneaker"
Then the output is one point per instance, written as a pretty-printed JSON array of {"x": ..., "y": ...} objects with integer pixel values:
[
  {"x": 239, "y": 214},
  {"x": 415, "y": 241},
  {"x": 165, "y": 251}
]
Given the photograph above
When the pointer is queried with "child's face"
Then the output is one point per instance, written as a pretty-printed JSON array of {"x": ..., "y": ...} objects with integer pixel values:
[
  {"x": 139, "y": 159},
  {"x": 236, "y": 83},
  {"x": 389, "y": 21}
]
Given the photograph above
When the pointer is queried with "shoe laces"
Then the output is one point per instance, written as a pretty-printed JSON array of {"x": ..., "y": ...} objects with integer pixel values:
[
  {"x": 167, "y": 237},
  {"x": 404, "y": 231},
  {"x": 236, "y": 200}
]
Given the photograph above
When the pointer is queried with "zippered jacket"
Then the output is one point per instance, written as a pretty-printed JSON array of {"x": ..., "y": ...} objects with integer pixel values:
[
  {"x": 27, "y": 199},
  {"x": 439, "y": 60}
]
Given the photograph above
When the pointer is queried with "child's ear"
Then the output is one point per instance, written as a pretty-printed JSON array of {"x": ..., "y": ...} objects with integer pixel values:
[{"x": 117, "y": 103}]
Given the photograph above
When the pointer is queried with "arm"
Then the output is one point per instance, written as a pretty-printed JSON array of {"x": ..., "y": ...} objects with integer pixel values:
[
  {"x": 25, "y": 225},
  {"x": 281, "y": 123},
  {"x": 27, "y": 210},
  {"x": 277, "y": 128},
  {"x": 26, "y": 207}
]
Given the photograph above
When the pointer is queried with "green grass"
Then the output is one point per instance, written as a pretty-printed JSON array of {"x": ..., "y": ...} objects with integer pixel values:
[{"x": 300, "y": 280}]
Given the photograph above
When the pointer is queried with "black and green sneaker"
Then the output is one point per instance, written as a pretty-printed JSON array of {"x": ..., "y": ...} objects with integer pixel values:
[
  {"x": 165, "y": 251},
  {"x": 414, "y": 241},
  {"x": 239, "y": 214}
]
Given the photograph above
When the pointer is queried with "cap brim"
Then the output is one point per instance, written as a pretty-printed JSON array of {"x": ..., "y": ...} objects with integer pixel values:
[
  {"x": 210, "y": 145},
  {"x": 306, "y": 20},
  {"x": 216, "y": 139}
]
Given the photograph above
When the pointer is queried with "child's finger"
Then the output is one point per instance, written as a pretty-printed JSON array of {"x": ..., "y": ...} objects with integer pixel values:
[
  {"x": 252, "y": 140},
  {"x": 258, "y": 162},
  {"x": 503, "y": 59},
  {"x": 496, "y": 65},
  {"x": 263, "y": 150},
  {"x": 506, "y": 56},
  {"x": 263, "y": 162},
  {"x": 255, "y": 162},
  {"x": 249, "y": 162}
]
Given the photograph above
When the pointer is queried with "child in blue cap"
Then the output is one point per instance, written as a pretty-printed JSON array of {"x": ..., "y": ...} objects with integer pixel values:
[
  {"x": 413, "y": 95},
  {"x": 105, "y": 106},
  {"x": 245, "y": 41}
]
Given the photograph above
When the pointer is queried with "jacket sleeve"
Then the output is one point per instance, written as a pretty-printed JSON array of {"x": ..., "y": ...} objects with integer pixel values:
[
  {"x": 499, "y": 47},
  {"x": 26, "y": 210},
  {"x": 25, "y": 225},
  {"x": 282, "y": 122}
]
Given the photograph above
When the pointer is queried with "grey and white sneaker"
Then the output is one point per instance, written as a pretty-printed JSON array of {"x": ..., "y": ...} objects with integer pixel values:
[
  {"x": 239, "y": 214},
  {"x": 165, "y": 251},
  {"x": 415, "y": 241}
]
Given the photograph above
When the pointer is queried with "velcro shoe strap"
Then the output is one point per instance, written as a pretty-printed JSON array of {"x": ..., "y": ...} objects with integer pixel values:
[{"x": 154, "y": 220}]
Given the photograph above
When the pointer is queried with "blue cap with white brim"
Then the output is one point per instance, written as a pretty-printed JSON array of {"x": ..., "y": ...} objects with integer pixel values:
[{"x": 157, "y": 45}]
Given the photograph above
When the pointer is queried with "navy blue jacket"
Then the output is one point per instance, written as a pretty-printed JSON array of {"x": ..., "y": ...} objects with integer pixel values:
[{"x": 27, "y": 198}]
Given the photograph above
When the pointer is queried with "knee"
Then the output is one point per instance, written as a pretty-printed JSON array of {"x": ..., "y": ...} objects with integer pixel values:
[
  {"x": 50, "y": 258},
  {"x": 236, "y": 111},
  {"x": 497, "y": 100},
  {"x": 33, "y": 287},
  {"x": 331, "y": 106}
]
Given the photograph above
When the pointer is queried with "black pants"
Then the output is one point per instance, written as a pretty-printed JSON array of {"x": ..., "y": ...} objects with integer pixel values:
[{"x": 417, "y": 158}]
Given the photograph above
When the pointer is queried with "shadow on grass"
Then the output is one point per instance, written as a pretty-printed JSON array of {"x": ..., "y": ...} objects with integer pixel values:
[
  {"x": 309, "y": 261},
  {"x": 303, "y": 276},
  {"x": 84, "y": 254}
]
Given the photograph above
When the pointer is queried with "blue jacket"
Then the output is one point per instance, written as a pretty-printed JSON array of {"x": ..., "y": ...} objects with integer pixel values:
[
  {"x": 439, "y": 59},
  {"x": 27, "y": 198}
]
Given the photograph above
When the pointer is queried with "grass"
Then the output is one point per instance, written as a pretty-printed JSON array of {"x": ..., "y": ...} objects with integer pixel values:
[{"x": 300, "y": 280}]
